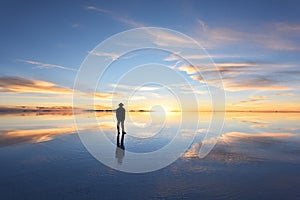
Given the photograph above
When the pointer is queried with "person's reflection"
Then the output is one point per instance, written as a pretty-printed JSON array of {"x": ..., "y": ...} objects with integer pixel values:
[
  {"x": 121, "y": 145},
  {"x": 120, "y": 149}
]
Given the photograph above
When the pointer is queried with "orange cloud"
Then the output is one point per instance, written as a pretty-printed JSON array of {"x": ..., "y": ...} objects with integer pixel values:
[
  {"x": 286, "y": 94},
  {"x": 259, "y": 97},
  {"x": 22, "y": 85},
  {"x": 189, "y": 69}
]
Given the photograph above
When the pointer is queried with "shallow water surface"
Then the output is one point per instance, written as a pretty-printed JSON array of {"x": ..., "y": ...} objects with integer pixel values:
[{"x": 257, "y": 156}]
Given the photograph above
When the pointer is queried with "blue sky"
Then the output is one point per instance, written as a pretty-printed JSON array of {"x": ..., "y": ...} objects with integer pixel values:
[{"x": 48, "y": 41}]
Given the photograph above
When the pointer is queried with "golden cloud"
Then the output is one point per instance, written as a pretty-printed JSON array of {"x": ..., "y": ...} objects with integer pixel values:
[{"x": 22, "y": 85}]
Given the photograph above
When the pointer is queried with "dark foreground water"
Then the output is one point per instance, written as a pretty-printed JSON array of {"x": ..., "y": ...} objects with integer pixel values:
[{"x": 256, "y": 157}]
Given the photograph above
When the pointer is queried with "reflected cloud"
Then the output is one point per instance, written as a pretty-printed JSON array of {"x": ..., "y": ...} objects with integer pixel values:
[
  {"x": 193, "y": 152},
  {"x": 231, "y": 135},
  {"x": 12, "y": 137},
  {"x": 287, "y": 129},
  {"x": 242, "y": 146}
]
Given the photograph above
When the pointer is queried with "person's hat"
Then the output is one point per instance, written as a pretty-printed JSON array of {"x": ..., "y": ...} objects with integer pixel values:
[{"x": 120, "y": 104}]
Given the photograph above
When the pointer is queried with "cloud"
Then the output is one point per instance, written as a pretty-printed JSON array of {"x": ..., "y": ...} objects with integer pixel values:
[
  {"x": 193, "y": 152},
  {"x": 12, "y": 137},
  {"x": 116, "y": 16},
  {"x": 103, "y": 95},
  {"x": 33, "y": 136},
  {"x": 251, "y": 84},
  {"x": 286, "y": 94},
  {"x": 175, "y": 57},
  {"x": 22, "y": 85},
  {"x": 287, "y": 27},
  {"x": 236, "y": 68},
  {"x": 259, "y": 97},
  {"x": 269, "y": 37},
  {"x": 165, "y": 38},
  {"x": 40, "y": 65},
  {"x": 266, "y": 125},
  {"x": 234, "y": 76},
  {"x": 250, "y": 101},
  {"x": 76, "y": 25},
  {"x": 287, "y": 129},
  {"x": 189, "y": 69},
  {"x": 251, "y": 67},
  {"x": 112, "y": 56},
  {"x": 132, "y": 87},
  {"x": 198, "y": 78},
  {"x": 231, "y": 135},
  {"x": 99, "y": 9}
]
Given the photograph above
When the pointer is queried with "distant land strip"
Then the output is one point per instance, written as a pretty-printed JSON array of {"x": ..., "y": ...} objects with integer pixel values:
[{"x": 44, "y": 109}]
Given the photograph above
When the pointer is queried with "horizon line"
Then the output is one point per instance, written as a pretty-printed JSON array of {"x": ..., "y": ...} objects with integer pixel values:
[{"x": 69, "y": 109}]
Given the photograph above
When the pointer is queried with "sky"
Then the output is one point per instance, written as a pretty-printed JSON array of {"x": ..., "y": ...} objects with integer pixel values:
[{"x": 254, "y": 44}]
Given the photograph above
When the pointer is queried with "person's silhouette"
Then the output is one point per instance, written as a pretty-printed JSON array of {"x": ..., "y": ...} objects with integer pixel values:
[{"x": 120, "y": 114}]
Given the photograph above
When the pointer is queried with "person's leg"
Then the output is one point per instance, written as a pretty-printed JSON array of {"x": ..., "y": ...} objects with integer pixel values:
[
  {"x": 122, "y": 141},
  {"x": 118, "y": 126},
  {"x": 122, "y": 124}
]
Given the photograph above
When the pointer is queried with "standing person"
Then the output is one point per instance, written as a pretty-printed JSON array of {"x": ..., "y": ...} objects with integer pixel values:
[{"x": 120, "y": 114}]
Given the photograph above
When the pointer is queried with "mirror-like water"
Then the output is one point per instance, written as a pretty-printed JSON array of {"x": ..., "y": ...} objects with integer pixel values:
[{"x": 256, "y": 157}]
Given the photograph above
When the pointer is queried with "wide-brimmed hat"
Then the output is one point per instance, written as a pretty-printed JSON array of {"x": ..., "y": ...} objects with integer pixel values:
[{"x": 120, "y": 104}]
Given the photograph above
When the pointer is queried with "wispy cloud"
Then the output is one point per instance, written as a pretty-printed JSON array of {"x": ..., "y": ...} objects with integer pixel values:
[
  {"x": 253, "y": 83},
  {"x": 175, "y": 57},
  {"x": 250, "y": 100},
  {"x": 237, "y": 76},
  {"x": 116, "y": 16},
  {"x": 259, "y": 97},
  {"x": 75, "y": 25},
  {"x": 286, "y": 94},
  {"x": 269, "y": 37},
  {"x": 98, "y": 9},
  {"x": 112, "y": 56},
  {"x": 40, "y": 65},
  {"x": 132, "y": 87},
  {"x": 287, "y": 27}
]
